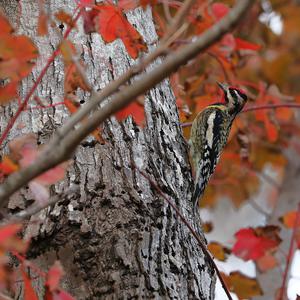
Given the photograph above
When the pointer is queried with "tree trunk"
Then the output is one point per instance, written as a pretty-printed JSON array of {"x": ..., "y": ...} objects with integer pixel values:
[{"x": 114, "y": 234}]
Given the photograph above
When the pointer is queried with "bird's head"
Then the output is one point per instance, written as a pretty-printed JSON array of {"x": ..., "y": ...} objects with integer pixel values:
[{"x": 235, "y": 98}]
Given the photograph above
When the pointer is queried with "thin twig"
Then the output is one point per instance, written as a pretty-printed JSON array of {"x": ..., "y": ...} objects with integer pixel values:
[
  {"x": 219, "y": 61},
  {"x": 258, "y": 208},
  {"x": 258, "y": 107},
  {"x": 189, "y": 226},
  {"x": 167, "y": 12},
  {"x": 271, "y": 106},
  {"x": 289, "y": 256}
]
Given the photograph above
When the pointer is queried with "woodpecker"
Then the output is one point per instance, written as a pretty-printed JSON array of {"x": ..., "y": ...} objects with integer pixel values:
[{"x": 209, "y": 135}]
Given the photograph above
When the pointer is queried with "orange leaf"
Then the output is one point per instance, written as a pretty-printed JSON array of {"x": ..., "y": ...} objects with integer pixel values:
[
  {"x": 9, "y": 240},
  {"x": 284, "y": 114},
  {"x": 266, "y": 262},
  {"x": 9, "y": 231},
  {"x": 64, "y": 17},
  {"x": 29, "y": 293},
  {"x": 134, "y": 109},
  {"x": 68, "y": 50},
  {"x": 218, "y": 251},
  {"x": 42, "y": 28},
  {"x": 243, "y": 286},
  {"x": 5, "y": 25},
  {"x": 7, "y": 166},
  {"x": 289, "y": 219},
  {"x": 207, "y": 227},
  {"x": 97, "y": 134},
  {"x": 8, "y": 92},
  {"x": 112, "y": 24},
  {"x": 16, "y": 55},
  {"x": 203, "y": 101},
  {"x": 73, "y": 79},
  {"x": 272, "y": 132},
  {"x": 71, "y": 106}
]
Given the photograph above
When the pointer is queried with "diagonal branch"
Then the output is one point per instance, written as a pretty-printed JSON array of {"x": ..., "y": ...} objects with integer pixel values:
[{"x": 65, "y": 145}]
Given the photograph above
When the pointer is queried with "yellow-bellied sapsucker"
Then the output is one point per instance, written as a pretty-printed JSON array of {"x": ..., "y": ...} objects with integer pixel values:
[{"x": 209, "y": 134}]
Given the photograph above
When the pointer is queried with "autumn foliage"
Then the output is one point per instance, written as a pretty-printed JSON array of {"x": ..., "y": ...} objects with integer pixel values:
[{"x": 251, "y": 57}]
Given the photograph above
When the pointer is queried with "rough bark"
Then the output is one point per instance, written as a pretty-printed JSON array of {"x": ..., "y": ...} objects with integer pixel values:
[{"x": 116, "y": 238}]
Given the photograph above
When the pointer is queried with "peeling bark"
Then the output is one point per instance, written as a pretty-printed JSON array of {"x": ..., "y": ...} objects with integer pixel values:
[{"x": 116, "y": 238}]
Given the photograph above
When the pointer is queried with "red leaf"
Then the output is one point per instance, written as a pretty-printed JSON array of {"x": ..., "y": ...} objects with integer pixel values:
[
  {"x": 48, "y": 295},
  {"x": 71, "y": 106},
  {"x": 54, "y": 275},
  {"x": 29, "y": 293},
  {"x": 252, "y": 245},
  {"x": 57, "y": 295},
  {"x": 64, "y": 17},
  {"x": 53, "y": 175},
  {"x": 134, "y": 109},
  {"x": 7, "y": 166},
  {"x": 5, "y": 26},
  {"x": 289, "y": 219},
  {"x": 8, "y": 92},
  {"x": 219, "y": 10},
  {"x": 272, "y": 131},
  {"x": 228, "y": 41},
  {"x": 16, "y": 55},
  {"x": 24, "y": 150},
  {"x": 242, "y": 44},
  {"x": 112, "y": 24},
  {"x": 16, "y": 145},
  {"x": 42, "y": 28},
  {"x": 9, "y": 231}
]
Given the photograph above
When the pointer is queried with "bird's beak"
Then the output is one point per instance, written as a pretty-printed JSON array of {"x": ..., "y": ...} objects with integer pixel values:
[{"x": 223, "y": 86}]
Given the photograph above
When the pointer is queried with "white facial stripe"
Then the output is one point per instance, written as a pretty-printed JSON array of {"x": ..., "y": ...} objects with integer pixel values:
[
  {"x": 210, "y": 128},
  {"x": 229, "y": 97}
]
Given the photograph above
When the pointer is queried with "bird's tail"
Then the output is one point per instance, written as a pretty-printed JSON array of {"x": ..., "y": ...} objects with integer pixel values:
[{"x": 198, "y": 192}]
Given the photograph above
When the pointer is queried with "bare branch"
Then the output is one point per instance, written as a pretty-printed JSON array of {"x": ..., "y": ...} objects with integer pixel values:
[{"x": 64, "y": 145}]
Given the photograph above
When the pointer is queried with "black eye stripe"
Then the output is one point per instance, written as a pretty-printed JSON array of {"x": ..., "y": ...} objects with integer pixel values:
[{"x": 234, "y": 93}]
